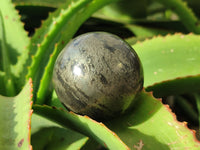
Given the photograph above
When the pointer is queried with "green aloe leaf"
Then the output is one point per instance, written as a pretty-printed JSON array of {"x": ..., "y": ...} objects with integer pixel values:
[
  {"x": 47, "y": 3},
  {"x": 126, "y": 9},
  {"x": 2, "y": 77},
  {"x": 83, "y": 124},
  {"x": 56, "y": 138},
  {"x": 142, "y": 127},
  {"x": 185, "y": 14},
  {"x": 91, "y": 144},
  {"x": 55, "y": 32},
  {"x": 14, "y": 41},
  {"x": 140, "y": 31},
  {"x": 151, "y": 125},
  {"x": 45, "y": 38},
  {"x": 171, "y": 63},
  {"x": 5, "y": 64},
  {"x": 15, "y": 116},
  {"x": 49, "y": 135}
]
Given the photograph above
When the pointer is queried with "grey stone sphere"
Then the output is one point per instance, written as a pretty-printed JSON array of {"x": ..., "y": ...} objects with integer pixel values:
[{"x": 98, "y": 74}]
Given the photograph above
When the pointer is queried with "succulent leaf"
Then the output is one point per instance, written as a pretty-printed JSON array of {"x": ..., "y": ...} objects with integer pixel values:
[
  {"x": 7, "y": 79},
  {"x": 47, "y": 3},
  {"x": 141, "y": 127},
  {"x": 170, "y": 63},
  {"x": 15, "y": 41},
  {"x": 49, "y": 135},
  {"x": 186, "y": 14},
  {"x": 57, "y": 30},
  {"x": 82, "y": 124},
  {"x": 171, "y": 66},
  {"x": 15, "y": 118},
  {"x": 152, "y": 125}
]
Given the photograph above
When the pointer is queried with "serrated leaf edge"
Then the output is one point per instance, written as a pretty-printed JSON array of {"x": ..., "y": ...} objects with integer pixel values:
[
  {"x": 183, "y": 124},
  {"x": 169, "y": 80},
  {"x": 86, "y": 117},
  {"x": 30, "y": 113}
]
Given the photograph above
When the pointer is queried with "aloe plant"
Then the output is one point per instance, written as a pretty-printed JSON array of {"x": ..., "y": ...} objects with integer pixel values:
[{"x": 31, "y": 115}]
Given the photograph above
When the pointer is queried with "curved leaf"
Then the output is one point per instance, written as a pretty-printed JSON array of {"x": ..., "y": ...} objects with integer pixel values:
[
  {"x": 174, "y": 59},
  {"x": 2, "y": 77},
  {"x": 15, "y": 114},
  {"x": 83, "y": 124},
  {"x": 151, "y": 125},
  {"x": 45, "y": 38},
  {"x": 57, "y": 138},
  {"x": 141, "y": 31},
  {"x": 49, "y": 135},
  {"x": 8, "y": 79},
  {"x": 56, "y": 31},
  {"x": 185, "y": 13},
  {"x": 16, "y": 41},
  {"x": 47, "y": 3}
]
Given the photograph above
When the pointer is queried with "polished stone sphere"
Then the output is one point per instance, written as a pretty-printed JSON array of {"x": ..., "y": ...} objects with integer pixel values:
[{"x": 98, "y": 74}]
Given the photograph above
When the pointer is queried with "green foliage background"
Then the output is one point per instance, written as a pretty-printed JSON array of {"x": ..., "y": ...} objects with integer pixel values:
[{"x": 165, "y": 34}]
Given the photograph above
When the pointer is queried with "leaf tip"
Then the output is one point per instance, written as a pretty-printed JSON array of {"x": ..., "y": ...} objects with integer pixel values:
[{"x": 181, "y": 124}]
